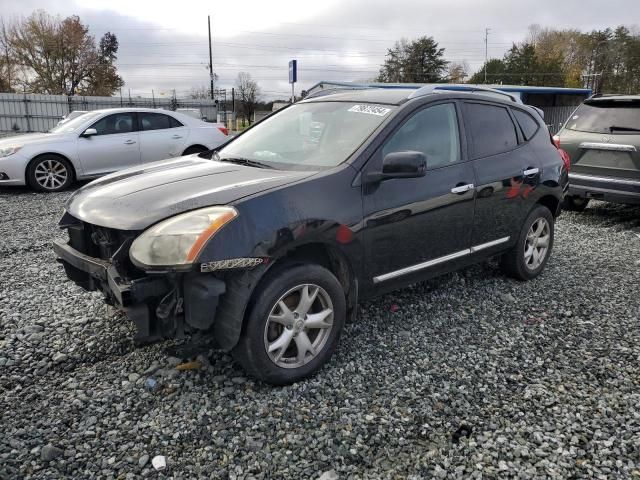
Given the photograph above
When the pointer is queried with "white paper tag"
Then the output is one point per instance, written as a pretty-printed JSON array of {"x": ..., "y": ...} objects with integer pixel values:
[{"x": 370, "y": 109}]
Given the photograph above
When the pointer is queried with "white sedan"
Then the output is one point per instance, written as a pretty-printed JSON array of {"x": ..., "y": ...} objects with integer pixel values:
[{"x": 100, "y": 142}]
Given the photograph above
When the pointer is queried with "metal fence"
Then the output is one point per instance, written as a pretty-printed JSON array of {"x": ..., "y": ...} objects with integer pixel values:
[
  {"x": 555, "y": 117},
  {"x": 23, "y": 113}
]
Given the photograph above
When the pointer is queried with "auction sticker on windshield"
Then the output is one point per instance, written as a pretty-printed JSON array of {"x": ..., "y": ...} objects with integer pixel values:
[{"x": 370, "y": 109}]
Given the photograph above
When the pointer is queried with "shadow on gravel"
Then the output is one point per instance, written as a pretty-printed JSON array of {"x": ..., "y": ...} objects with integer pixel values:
[{"x": 603, "y": 214}]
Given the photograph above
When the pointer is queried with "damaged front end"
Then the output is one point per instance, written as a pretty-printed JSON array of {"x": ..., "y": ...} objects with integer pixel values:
[{"x": 162, "y": 303}]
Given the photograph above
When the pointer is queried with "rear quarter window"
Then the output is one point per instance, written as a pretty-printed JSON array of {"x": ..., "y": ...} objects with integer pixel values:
[
  {"x": 491, "y": 129},
  {"x": 527, "y": 123}
]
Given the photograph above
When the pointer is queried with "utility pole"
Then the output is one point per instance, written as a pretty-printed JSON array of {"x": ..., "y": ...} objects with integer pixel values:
[
  {"x": 233, "y": 108},
  {"x": 486, "y": 52},
  {"x": 210, "y": 55}
]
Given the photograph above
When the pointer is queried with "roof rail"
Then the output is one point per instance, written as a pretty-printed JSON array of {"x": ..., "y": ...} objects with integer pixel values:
[{"x": 465, "y": 87}]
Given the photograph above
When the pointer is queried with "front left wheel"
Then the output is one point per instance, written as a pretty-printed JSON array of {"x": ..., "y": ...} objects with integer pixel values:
[
  {"x": 50, "y": 173},
  {"x": 294, "y": 325}
]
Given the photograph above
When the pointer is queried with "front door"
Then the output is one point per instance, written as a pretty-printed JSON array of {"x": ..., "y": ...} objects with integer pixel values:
[
  {"x": 418, "y": 225},
  {"x": 115, "y": 146}
]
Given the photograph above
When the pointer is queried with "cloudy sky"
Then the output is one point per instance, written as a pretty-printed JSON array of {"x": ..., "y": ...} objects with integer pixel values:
[{"x": 163, "y": 45}]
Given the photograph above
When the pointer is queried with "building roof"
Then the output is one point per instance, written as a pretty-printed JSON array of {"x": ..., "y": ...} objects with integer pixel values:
[{"x": 330, "y": 85}]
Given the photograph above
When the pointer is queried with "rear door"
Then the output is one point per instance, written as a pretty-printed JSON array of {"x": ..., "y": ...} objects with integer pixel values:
[
  {"x": 507, "y": 171},
  {"x": 161, "y": 136},
  {"x": 602, "y": 138}
]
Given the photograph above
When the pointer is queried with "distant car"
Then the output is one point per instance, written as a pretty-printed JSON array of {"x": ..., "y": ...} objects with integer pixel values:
[
  {"x": 71, "y": 116},
  {"x": 100, "y": 142},
  {"x": 266, "y": 246},
  {"x": 602, "y": 139}
]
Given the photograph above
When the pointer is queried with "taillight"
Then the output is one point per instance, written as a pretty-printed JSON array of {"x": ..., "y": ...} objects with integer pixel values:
[
  {"x": 565, "y": 158},
  {"x": 224, "y": 130},
  {"x": 556, "y": 140}
]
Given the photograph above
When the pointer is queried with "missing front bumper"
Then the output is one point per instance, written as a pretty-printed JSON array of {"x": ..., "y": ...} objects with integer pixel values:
[{"x": 161, "y": 305}]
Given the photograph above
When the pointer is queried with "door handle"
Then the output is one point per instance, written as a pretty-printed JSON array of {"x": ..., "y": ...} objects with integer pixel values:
[
  {"x": 530, "y": 172},
  {"x": 177, "y": 136},
  {"x": 462, "y": 188},
  {"x": 129, "y": 142}
]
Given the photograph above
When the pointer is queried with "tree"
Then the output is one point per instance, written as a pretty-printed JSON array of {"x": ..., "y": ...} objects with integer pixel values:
[
  {"x": 202, "y": 91},
  {"x": 60, "y": 57},
  {"x": 103, "y": 78},
  {"x": 521, "y": 66},
  {"x": 457, "y": 71},
  {"x": 495, "y": 68},
  {"x": 248, "y": 95},
  {"x": 419, "y": 61},
  {"x": 6, "y": 62}
]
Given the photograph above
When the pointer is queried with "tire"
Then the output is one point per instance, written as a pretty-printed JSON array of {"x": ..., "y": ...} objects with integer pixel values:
[
  {"x": 194, "y": 149},
  {"x": 291, "y": 332},
  {"x": 575, "y": 204},
  {"x": 528, "y": 257},
  {"x": 50, "y": 173}
]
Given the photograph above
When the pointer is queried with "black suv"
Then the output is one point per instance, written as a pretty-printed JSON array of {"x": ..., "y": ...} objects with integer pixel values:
[
  {"x": 266, "y": 246},
  {"x": 602, "y": 139}
]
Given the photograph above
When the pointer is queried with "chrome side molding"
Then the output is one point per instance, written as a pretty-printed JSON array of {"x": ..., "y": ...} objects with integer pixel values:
[
  {"x": 617, "y": 147},
  {"x": 436, "y": 261}
]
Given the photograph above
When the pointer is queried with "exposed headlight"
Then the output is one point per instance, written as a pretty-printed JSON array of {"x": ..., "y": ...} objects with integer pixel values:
[
  {"x": 6, "y": 151},
  {"x": 178, "y": 240}
]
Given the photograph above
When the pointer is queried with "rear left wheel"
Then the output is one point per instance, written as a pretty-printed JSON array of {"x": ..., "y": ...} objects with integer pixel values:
[
  {"x": 530, "y": 254},
  {"x": 294, "y": 325},
  {"x": 575, "y": 204}
]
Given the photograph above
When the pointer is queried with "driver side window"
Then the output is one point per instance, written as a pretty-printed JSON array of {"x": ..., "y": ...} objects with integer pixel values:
[
  {"x": 432, "y": 131},
  {"x": 116, "y": 123}
]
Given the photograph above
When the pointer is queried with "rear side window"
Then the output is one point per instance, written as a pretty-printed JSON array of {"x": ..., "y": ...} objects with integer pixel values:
[
  {"x": 604, "y": 116},
  {"x": 491, "y": 129},
  {"x": 527, "y": 123},
  {"x": 157, "y": 121}
]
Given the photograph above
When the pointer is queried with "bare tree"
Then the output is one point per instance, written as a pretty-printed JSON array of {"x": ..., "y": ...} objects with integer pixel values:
[
  {"x": 457, "y": 71},
  {"x": 60, "y": 56},
  {"x": 248, "y": 95},
  {"x": 203, "y": 91},
  {"x": 6, "y": 62}
]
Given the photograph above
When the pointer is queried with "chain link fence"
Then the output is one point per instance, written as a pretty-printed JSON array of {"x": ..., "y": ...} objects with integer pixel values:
[{"x": 24, "y": 112}]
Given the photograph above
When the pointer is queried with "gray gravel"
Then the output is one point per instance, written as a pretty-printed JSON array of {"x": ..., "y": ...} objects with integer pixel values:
[{"x": 473, "y": 375}]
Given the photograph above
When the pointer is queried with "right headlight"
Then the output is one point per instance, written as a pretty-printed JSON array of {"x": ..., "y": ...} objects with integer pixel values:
[{"x": 178, "y": 241}]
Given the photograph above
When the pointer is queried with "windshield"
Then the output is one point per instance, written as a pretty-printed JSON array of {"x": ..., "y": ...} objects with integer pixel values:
[
  {"x": 74, "y": 123},
  {"x": 606, "y": 117},
  {"x": 308, "y": 136}
]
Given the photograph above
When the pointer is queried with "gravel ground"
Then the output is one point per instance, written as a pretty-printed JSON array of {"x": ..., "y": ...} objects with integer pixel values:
[{"x": 470, "y": 375}]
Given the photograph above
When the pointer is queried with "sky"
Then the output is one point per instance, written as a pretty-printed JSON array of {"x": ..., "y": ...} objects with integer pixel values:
[{"x": 164, "y": 45}]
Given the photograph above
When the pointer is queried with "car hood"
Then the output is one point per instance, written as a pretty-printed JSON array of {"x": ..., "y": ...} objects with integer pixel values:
[
  {"x": 136, "y": 198},
  {"x": 32, "y": 139}
]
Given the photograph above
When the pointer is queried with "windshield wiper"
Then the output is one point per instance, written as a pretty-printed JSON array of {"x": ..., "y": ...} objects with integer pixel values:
[
  {"x": 244, "y": 161},
  {"x": 623, "y": 129}
]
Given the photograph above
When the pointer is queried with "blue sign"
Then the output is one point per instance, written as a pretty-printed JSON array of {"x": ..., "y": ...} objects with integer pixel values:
[{"x": 293, "y": 71}]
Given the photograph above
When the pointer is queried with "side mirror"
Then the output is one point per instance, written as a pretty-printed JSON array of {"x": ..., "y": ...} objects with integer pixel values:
[
  {"x": 405, "y": 164},
  {"x": 89, "y": 132}
]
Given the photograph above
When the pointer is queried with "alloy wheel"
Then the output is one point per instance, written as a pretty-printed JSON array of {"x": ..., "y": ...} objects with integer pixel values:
[
  {"x": 298, "y": 326},
  {"x": 51, "y": 174},
  {"x": 537, "y": 243}
]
